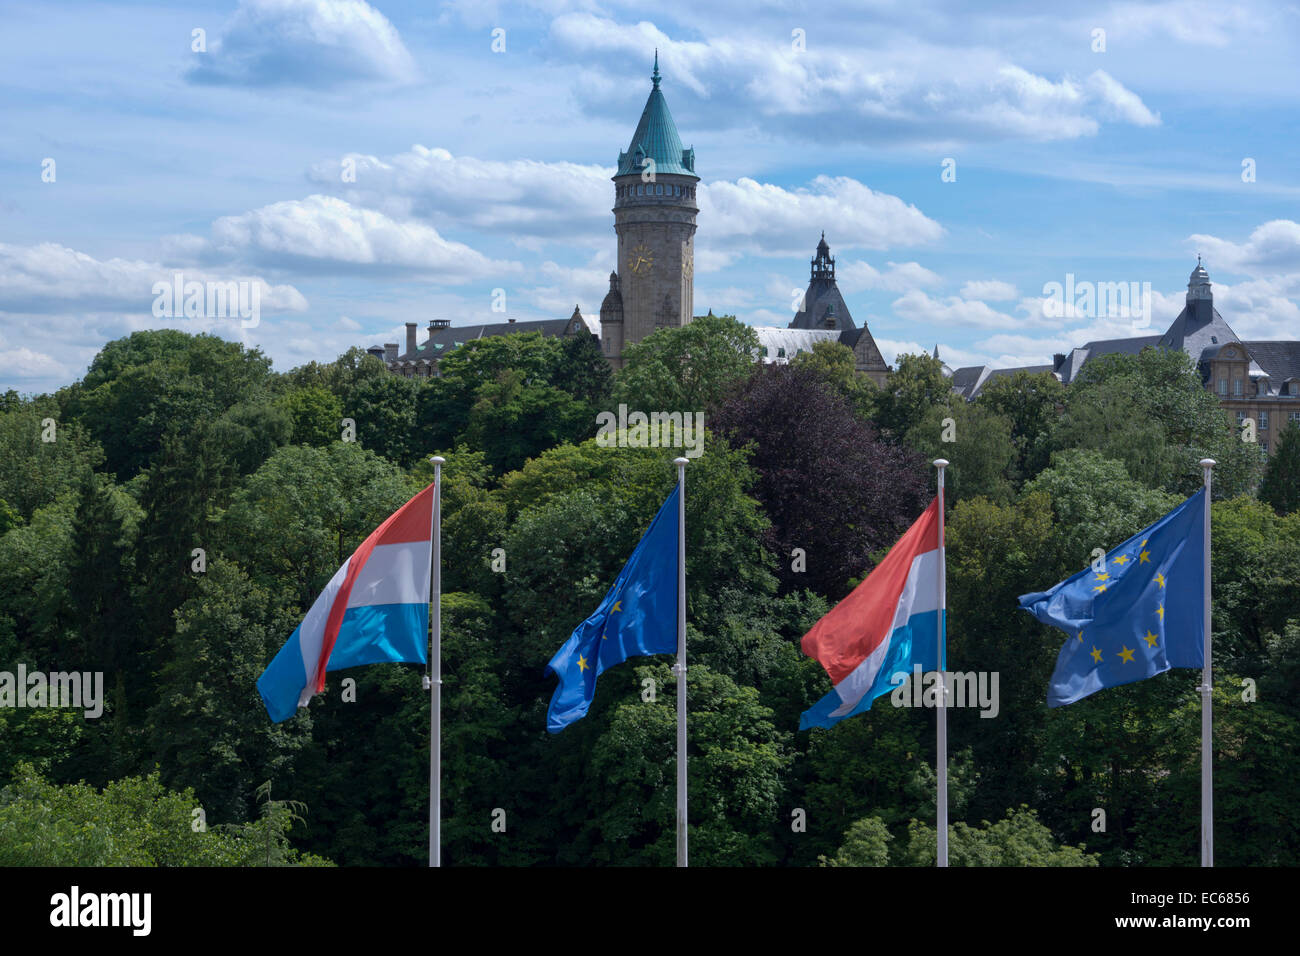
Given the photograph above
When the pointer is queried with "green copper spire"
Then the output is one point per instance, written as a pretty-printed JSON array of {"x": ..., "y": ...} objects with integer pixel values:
[{"x": 656, "y": 138}]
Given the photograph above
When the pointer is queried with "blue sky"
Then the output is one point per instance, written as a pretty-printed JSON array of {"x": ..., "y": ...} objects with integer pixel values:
[{"x": 479, "y": 169}]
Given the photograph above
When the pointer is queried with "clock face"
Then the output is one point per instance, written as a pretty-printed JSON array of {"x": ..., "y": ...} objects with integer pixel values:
[{"x": 641, "y": 260}]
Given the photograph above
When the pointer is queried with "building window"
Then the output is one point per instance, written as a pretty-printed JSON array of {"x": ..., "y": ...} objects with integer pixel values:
[
  {"x": 1264, "y": 446},
  {"x": 1263, "y": 421},
  {"x": 1223, "y": 386},
  {"x": 1236, "y": 387},
  {"x": 1241, "y": 417},
  {"x": 1295, "y": 417}
]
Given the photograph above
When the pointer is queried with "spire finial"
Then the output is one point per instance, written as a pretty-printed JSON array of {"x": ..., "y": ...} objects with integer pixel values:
[{"x": 655, "y": 75}]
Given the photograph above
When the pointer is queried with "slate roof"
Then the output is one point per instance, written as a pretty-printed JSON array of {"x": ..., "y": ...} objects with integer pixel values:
[
  {"x": 1279, "y": 360},
  {"x": 823, "y": 294},
  {"x": 1198, "y": 330}
]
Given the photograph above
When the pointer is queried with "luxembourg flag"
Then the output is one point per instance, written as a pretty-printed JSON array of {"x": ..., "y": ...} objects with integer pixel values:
[
  {"x": 374, "y": 609},
  {"x": 887, "y": 625}
]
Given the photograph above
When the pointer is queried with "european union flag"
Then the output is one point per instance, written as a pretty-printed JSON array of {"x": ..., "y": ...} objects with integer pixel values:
[
  {"x": 1140, "y": 614},
  {"x": 638, "y": 616}
]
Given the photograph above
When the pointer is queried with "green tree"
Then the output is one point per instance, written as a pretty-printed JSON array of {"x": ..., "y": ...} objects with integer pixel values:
[
  {"x": 835, "y": 366},
  {"x": 1031, "y": 402},
  {"x": 1281, "y": 484},
  {"x": 131, "y": 822},
  {"x": 687, "y": 369},
  {"x": 316, "y": 415},
  {"x": 1018, "y": 839},
  {"x": 384, "y": 411},
  {"x": 1152, "y": 412},
  {"x": 209, "y": 730},
  {"x": 977, "y": 444},
  {"x": 140, "y": 388},
  {"x": 35, "y": 472},
  {"x": 916, "y": 385},
  {"x": 865, "y": 844}
]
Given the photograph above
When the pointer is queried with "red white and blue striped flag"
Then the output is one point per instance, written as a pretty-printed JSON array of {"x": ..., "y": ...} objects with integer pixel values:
[
  {"x": 374, "y": 609},
  {"x": 886, "y": 626}
]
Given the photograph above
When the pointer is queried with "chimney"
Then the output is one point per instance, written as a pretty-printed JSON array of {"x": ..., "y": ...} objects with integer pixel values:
[
  {"x": 390, "y": 352},
  {"x": 410, "y": 338},
  {"x": 1057, "y": 361}
]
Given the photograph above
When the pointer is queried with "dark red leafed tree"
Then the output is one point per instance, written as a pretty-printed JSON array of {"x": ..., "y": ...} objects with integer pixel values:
[{"x": 829, "y": 485}]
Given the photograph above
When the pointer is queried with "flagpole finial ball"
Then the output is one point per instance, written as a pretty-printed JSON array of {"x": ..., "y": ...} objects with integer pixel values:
[
  {"x": 1208, "y": 462},
  {"x": 941, "y": 463},
  {"x": 438, "y": 460},
  {"x": 681, "y": 461}
]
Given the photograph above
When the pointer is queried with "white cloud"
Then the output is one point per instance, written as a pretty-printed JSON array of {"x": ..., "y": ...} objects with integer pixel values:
[
  {"x": 522, "y": 197},
  {"x": 1273, "y": 246},
  {"x": 891, "y": 349},
  {"x": 304, "y": 43},
  {"x": 1261, "y": 309},
  {"x": 990, "y": 290},
  {"x": 24, "y": 364},
  {"x": 854, "y": 88},
  {"x": 48, "y": 277},
  {"x": 860, "y": 275},
  {"x": 917, "y": 306},
  {"x": 1119, "y": 103},
  {"x": 772, "y": 220},
  {"x": 329, "y": 231}
]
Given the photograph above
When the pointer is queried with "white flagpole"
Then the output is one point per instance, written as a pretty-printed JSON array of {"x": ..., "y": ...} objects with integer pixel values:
[
  {"x": 941, "y": 714},
  {"x": 1207, "y": 716},
  {"x": 680, "y": 669},
  {"x": 435, "y": 682}
]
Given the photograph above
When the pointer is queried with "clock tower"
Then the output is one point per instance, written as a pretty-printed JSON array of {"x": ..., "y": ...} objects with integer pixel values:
[{"x": 654, "y": 219}]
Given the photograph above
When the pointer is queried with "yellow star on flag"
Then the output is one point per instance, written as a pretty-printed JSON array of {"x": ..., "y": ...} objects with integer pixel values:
[
  {"x": 1126, "y": 655},
  {"x": 1122, "y": 559},
  {"x": 1161, "y": 611},
  {"x": 1102, "y": 575},
  {"x": 618, "y": 605},
  {"x": 1096, "y": 655},
  {"x": 1151, "y": 639},
  {"x": 582, "y": 664},
  {"x": 1099, "y": 587},
  {"x": 1160, "y": 579},
  {"x": 1144, "y": 557}
]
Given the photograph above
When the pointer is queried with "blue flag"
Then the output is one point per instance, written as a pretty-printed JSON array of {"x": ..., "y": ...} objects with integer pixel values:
[
  {"x": 1142, "y": 613},
  {"x": 638, "y": 616}
]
